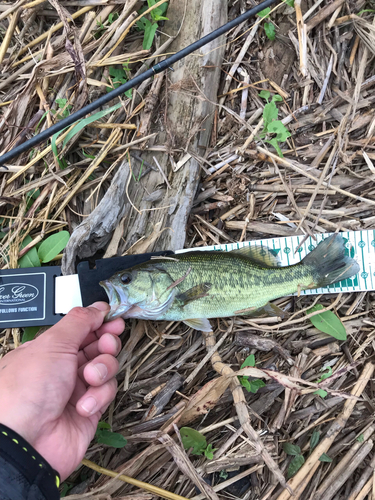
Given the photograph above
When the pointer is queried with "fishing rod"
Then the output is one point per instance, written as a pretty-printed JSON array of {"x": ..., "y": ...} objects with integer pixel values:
[{"x": 158, "y": 68}]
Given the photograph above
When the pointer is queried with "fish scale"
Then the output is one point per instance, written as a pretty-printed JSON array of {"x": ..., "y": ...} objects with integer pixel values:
[{"x": 238, "y": 285}]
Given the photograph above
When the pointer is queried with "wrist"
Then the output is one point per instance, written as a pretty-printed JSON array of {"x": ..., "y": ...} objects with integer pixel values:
[
  {"x": 22, "y": 428},
  {"x": 27, "y": 462}
]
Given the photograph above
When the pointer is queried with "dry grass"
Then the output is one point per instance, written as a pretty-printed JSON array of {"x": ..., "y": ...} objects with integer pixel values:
[{"x": 322, "y": 64}]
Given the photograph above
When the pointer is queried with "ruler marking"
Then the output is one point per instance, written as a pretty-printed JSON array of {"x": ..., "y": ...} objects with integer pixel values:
[{"x": 365, "y": 257}]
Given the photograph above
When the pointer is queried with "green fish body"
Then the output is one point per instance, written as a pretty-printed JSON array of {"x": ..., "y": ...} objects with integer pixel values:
[{"x": 195, "y": 286}]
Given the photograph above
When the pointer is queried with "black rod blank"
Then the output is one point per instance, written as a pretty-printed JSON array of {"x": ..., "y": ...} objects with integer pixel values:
[{"x": 158, "y": 68}]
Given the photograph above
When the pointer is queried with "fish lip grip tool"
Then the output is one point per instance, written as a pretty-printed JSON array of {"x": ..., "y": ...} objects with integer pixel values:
[{"x": 40, "y": 296}]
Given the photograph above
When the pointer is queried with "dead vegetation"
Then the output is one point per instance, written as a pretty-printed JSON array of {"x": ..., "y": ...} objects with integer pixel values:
[{"x": 56, "y": 57}]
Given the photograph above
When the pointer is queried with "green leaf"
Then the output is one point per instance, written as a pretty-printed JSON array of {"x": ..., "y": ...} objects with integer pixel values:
[
  {"x": 265, "y": 94},
  {"x": 270, "y": 31},
  {"x": 29, "y": 333},
  {"x": 314, "y": 440},
  {"x": 65, "y": 487},
  {"x": 109, "y": 438},
  {"x": 34, "y": 193},
  {"x": 118, "y": 74},
  {"x": 265, "y": 12},
  {"x": 163, "y": 8},
  {"x": 30, "y": 259},
  {"x": 328, "y": 322},
  {"x": 270, "y": 113},
  {"x": 256, "y": 384},
  {"x": 193, "y": 439},
  {"x": 53, "y": 245},
  {"x": 275, "y": 144},
  {"x": 54, "y": 147},
  {"x": 157, "y": 14},
  {"x": 290, "y": 3},
  {"x": 325, "y": 375},
  {"x": 118, "y": 78},
  {"x": 209, "y": 452},
  {"x": 86, "y": 121},
  {"x": 61, "y": 102},
  {"x": 244, "y": 381},
  {"x": 150, "y": 31},
  {"x": 360, "y": 438},
  {"x": 112, "y": 17},
  {"x": 321, "y": 392},
  {"x": 278, "y": 128},
  {"x": 141, "y": 24},
  {"x": 87, "y": 155},
  {"x": 2, "y": 235},
  {"x": 291, "y": 449},
  {"x": 365, "y": 10},
  {"x": 249, "y": 361},
  {"x": 295, "y": 465},
  {"x": 103, "y": 425},
  {"x": 277, "y": 98},
  {"x": 325, "y": 458}
]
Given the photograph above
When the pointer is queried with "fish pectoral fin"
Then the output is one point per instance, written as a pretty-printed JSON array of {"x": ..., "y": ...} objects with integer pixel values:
[
  {"x": 272, "y": 310},
  {"x": 194, "y": 293},
  {"x": 201, "y": 324},
  {"x": 260, "y": 255}
]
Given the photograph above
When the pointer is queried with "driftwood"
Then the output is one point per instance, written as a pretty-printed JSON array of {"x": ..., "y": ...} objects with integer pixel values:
[
  {"x": 96, "y": 230},
  {"x": 183, "y": 118}
]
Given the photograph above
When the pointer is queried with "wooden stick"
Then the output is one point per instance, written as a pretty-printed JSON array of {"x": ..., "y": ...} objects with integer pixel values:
[
  {"x": 139, "y": 484},
  {"x": 53, "y": 30},
  {"x": 298, "y": 482},
  {"x": 242, "y": 411},
  {"x": 323, "y": 14},
  {"x": 8, "y": 35},
  {"x": 293, "y": 166}
]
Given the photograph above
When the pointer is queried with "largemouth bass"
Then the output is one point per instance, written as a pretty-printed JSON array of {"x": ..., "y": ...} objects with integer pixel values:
[{"x": 199, "y": 285}]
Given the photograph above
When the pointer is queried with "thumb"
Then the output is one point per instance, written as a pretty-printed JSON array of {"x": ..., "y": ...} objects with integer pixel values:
[{"x": 78, "y": 323}]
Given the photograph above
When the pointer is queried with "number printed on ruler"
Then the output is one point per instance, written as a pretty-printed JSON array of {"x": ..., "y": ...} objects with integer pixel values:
[{"x": 359, "y": 244}]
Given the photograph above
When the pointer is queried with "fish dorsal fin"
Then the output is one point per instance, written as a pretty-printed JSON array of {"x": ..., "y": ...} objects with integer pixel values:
[
  {"x": 200, "y": 324},
  {"x": 261, "y": 255},
  {"x": 194, "y": 293}
]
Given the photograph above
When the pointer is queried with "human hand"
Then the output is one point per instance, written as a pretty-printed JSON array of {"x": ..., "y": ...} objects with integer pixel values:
[{"x": 54, "y": 389}]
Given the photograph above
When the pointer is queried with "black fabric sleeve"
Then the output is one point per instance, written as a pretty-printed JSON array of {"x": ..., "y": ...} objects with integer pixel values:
[{"x": 24, "y": 474}]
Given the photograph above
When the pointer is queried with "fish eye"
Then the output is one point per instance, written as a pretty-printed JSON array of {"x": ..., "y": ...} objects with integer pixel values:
[{"x": 126, "y": 278}]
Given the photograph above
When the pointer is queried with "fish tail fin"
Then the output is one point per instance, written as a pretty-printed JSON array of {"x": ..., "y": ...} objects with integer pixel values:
[{"x": 329, "y": 261}]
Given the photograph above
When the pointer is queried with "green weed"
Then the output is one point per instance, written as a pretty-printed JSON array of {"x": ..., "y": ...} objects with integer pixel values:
[
  {"x": 64, "y": 106},
  {"x": 250, "y": 385},
  {"x": 149, "y": 26},
  {"x": 194, "y": 440},
  {"x": 271, "y": 125},
  {"x": 118, "y": 77},
  {"x": 104, "y": 435}
]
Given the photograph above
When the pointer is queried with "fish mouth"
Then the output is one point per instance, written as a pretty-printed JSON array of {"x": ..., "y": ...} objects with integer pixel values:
[
  {"x": 111, "y": 292},
  {"x": 118, "y": 308}
]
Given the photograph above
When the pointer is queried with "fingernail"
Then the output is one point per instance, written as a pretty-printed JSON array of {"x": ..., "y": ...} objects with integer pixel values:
[
  {"x": 101, "y": 306},
  {"x": 89, "y": 405},
  {"x": 101, "y": 369}
]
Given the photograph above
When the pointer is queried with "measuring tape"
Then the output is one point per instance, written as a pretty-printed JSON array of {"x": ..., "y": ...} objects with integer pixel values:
[{"x": 360, "y": 246}]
